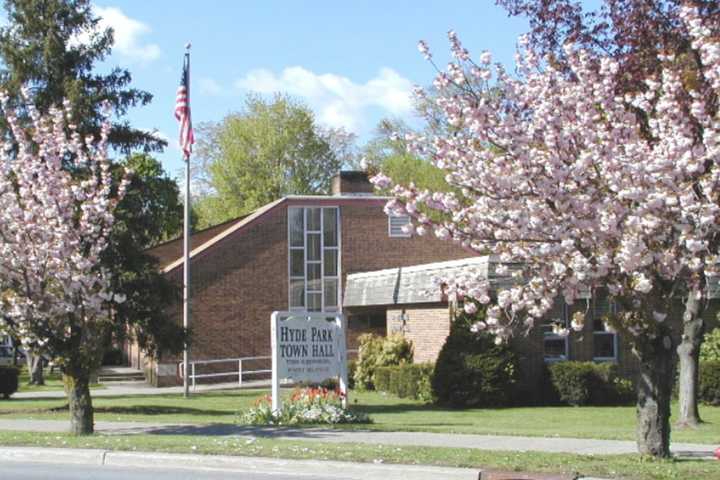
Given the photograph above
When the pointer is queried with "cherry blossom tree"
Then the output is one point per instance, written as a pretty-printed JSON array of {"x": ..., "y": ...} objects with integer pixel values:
[
  {"x": 54, "y": 225},
  {"x": 633, "y": 32},
  {"x": 584, "y": 189}
]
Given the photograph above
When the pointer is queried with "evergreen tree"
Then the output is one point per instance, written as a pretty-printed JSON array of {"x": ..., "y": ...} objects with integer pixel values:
[{"x": 51, "y": 47}]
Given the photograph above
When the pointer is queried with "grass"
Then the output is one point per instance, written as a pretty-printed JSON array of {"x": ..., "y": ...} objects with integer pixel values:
[
  {"x": 608, "y": 466},
  {"x": 53, "y": 382},
  {"x": 388, "y": 413}
]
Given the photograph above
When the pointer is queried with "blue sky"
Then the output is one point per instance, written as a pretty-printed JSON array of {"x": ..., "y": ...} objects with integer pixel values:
[{"x": 352, "y": 62}]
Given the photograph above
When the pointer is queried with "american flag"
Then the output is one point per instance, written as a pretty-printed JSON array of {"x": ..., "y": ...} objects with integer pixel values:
[{"x": 182, "y": 110}]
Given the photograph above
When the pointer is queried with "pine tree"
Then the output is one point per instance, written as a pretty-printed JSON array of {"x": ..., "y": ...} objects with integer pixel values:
[{"x": 50, "y": 47}]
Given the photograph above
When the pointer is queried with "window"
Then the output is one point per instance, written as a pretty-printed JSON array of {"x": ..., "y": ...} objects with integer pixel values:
[
  {"x": 605, "y": 343},
  {"x": 369, "y": 320},
  {"x": 396, "y": 224},
  {"x": 314, "y": 258},
  {"x": 555, "y": 347}
]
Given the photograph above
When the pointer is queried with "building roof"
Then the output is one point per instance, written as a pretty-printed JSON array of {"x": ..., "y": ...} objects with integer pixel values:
[
  {"x": 170, "y": 254},
  {"x": 416, "y": 284}
]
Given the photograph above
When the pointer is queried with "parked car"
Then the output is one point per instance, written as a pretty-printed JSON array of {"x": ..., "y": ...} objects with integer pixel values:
[{"x": 7, "y": 352}]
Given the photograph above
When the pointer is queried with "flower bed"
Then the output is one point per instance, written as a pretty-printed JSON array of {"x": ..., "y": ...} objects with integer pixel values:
[{"x": 306, "y": 406}]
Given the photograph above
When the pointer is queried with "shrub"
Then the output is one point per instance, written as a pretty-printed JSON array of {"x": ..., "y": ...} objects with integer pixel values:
[
  {"x": 351, "y": 367},
  {"x": 8, "y": 381},
  {"x": 376, "y": 351},
  {"x": 406, "y": 381},
  {"x": 471, "y": 371},
  {"x": 575, "y": 381},
  {"x": 382, "y": 379},
  {"x": 709, "y": 383},
  {"x": 306, "y": 406},
  {"x": 710, "y": 349},
  {"x": 588, "y": 383},
  {"x": 413, "y": 381}
]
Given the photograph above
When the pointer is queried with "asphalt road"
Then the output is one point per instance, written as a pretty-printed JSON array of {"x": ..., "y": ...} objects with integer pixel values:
[{"x": 65, "y": 471}]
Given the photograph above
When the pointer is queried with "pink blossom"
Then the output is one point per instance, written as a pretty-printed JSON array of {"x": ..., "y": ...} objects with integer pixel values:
[
  {"x": 53, "y": 230},
  {"x": 578, "y": 186}
]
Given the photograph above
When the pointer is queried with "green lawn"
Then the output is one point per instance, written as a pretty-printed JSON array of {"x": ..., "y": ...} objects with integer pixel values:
[
  {"x": 615, "y": 466},
  {"x": 388, "y": 413},
  {"x": 53, "y": 382}
]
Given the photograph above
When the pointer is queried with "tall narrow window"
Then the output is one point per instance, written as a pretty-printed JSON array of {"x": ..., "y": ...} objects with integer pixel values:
[
  {"x": 604, "y": 341},
  {"x": 314, "y": 256},
  {"x": 555, "y": 347}
]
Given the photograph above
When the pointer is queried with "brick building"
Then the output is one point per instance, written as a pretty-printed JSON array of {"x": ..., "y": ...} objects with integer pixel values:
[
  {"x": 292, "y": 254},
  {"x": 341, "y": 252},
  {"x": 409, "y": 300}
]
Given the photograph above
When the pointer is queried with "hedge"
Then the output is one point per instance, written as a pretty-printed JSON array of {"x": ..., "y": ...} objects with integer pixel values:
[
  {"x": 709, "y": 383},
  {"x": 376, "y": 351},
  {"x": 8, "y": 381},
  {"x": 405, "y": 381},
  {"x": 472, "y": 371},
  {"x": 588, "y": 383},
  {"x": 351, "y": 367}
]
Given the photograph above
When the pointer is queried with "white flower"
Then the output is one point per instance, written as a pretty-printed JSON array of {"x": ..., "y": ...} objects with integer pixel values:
[
  {"x": 642, "y": 284},
  {"x": 578, "y": 321},
  {"x": 470, "y": 308},
  {"x": 478, "y": 327}
]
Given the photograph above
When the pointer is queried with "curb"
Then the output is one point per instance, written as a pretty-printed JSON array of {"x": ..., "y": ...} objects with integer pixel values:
[{"x": 316, "y": 468}]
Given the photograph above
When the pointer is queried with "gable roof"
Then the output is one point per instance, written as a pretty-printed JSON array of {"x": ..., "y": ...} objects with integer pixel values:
[
  {"x": 170, "y": 254},
  {"x": 169, "y": 251}
]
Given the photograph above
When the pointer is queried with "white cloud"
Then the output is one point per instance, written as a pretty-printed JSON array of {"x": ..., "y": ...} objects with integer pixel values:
[
  {"x": 209, "y": 86},
  {"x": 337, "y": 100},
  {"x": 128, "y": 33}
]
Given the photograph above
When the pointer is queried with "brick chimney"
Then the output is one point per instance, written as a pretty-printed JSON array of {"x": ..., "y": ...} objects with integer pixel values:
[{"x": 352, "y": 183}]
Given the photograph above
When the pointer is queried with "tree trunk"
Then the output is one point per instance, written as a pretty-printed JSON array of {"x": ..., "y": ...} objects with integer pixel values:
[
  {"x": 77, "y": 388},
  {"x": 35, "y": 368},
  {"x": 689, "y": 355},
  {"x": 654, "y": 390}
]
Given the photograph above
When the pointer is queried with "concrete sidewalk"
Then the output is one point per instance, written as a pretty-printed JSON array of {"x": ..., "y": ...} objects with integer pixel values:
[
  {"x": 237, "y": 465},
  {"x": 113, "y": 389},
  {"x": 482, "y": 442}
]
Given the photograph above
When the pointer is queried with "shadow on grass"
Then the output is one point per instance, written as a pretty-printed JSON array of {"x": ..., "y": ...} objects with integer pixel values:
[
  {"x": 313, "y": 432},
  {"x": 162, "y": 410},
  {"x": 400, "y": 408}
]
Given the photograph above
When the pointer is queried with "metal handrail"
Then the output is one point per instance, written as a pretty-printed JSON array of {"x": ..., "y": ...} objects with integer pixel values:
[{"x": 239, "y": 372}]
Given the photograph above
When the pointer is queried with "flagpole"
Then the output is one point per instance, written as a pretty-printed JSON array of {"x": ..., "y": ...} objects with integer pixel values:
[{"x": 186, "y": 253}]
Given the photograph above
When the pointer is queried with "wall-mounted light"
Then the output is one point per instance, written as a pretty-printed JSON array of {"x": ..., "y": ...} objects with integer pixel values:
[{"x": 404, "y": 318}]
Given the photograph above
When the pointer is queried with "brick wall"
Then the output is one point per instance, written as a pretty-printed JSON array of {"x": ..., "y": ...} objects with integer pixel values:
[
  {"x": 367, "y": 246},
  {"x": 427, "y": 328},
  {"x": 241, "y": 280},
  {"x": 351, "y": 183}
]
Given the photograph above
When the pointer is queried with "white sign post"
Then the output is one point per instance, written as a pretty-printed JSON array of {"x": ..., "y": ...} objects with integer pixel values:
[{"x": 308, "y": 347}]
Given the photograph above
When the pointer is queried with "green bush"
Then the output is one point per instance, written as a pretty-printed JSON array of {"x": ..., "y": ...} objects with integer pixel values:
[
  {"x": 8, "y": 381},
  {"x": 709, "y": 383},
  {"x": 575, "y": 381},
  {"x": 588, "y": 383},
  {"x": 710, "y": 349},
  {"x": 376, "y": 351},
  {"x": 471, "y": 371},
  {"x": 382, "y": 379},
  {"x": 352, "y": 366},
  {"x": 406, "y": 381}
]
